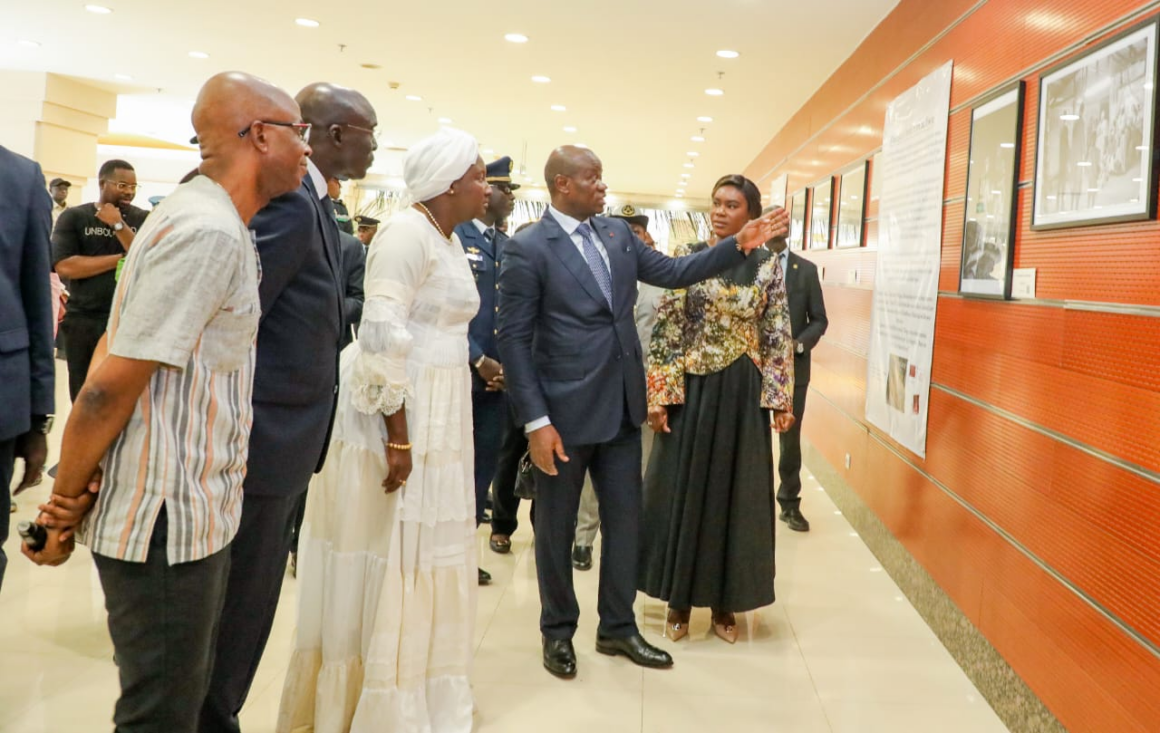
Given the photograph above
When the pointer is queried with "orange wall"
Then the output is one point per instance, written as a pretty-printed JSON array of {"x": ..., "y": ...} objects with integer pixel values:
[{"x": 1093, "y": 378}]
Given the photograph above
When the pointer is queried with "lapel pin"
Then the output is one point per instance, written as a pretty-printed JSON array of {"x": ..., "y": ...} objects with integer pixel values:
[{"x": 795, "y": 265}]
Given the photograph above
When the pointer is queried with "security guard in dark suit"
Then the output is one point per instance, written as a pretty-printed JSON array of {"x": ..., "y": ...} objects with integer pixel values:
[{"x": 483, "y": 245}]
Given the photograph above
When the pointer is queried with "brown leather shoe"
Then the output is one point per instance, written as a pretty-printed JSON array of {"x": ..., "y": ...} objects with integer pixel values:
[
  {"x": 725, "y": 626},
  {"x": 677, "y": 624}
]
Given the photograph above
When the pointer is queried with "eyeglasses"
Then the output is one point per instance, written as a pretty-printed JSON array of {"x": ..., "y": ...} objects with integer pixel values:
[
  {"x": 301, "y": 128},
  {"x": 376, "y": 134},
  {"x": 130, "y": 187}
]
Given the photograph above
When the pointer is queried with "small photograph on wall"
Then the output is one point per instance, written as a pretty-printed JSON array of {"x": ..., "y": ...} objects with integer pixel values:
[
  {"x": 896, "y": 383},
  {"x": 1095, "y": 158},
  {"x": 851, "y": 207},
  {"x": 992, "y": 175},
  {"x": 797, "y": 220},
  {"x": 822, "y": 206}
]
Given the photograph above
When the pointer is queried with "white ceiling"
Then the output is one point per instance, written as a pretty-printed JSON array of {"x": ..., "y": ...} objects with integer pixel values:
[{"x": 631, "y": 74}]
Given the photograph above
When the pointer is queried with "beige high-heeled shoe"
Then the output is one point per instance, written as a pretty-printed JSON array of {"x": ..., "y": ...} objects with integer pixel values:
[
  {"x": 677, "y": 624},
  {"x": 725, "y": 626}
]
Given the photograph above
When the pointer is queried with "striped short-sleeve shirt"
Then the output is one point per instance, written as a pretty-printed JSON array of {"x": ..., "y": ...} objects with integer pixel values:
[{"x": 188, "y": 299}]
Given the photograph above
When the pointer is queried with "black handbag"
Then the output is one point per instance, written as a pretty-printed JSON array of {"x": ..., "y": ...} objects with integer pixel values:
[{"x": 526, "y": 478}]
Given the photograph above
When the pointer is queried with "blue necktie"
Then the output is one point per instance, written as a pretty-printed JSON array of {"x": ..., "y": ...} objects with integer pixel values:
[{"x": 596, "y": 262}]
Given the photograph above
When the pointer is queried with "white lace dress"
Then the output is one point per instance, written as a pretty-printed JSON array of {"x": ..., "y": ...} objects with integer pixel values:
[{"x": 387, "y": 582}]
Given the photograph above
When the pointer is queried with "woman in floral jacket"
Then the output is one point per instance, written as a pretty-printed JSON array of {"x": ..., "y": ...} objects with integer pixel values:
[{"x": 719, "y": 362}]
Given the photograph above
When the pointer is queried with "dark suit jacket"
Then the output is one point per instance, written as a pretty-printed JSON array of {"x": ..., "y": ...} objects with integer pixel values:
[
  {"x": 354, "y": 265},
  {"x": 26, "y": 365},
  {"x": 807, "y": 312},
  {"x": 296, "y": 378},
  {"x": 485, "y": 260},
  {"x": 566, "y": 354}
]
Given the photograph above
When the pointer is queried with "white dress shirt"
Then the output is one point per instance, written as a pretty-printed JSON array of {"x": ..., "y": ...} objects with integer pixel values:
[{"x": 317, "y": 178}]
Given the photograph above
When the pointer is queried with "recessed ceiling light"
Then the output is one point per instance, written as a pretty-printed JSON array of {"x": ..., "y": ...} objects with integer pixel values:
[
  {"x": 726, "y": 54},
  {"x": 569, "y": 128},
  {"x": 98, "y": 9},
  {"x": 680, "y": 191},
  {"x": 704, "y": 119},
  {"x": 516, "y": 38},
  {"x": 198, "y": 55},
  {"x": 697, "y": 139},
  {"x": 123, "y": 77},
  {"x": 684, "y": 175},
  {"x": 29, "y": 44},
  {"x": 714, "y": 92},
  {"x": 541, "y": 79},
  {"x": 445, "y": 120},
  {"x": 689, "y": 165},
  {"x": 692, "y": 153},
  {"x": 414, "y": 98},
  {"x": 559, "y": 108},
  {"x": 307, "y": 22}
]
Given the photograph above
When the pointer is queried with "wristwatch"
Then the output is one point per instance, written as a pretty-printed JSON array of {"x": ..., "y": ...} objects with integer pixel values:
[
  {"x": 118, "y": 227},
  {"x": 479, "y": 363},
  {"x": 42, "y": 423}
]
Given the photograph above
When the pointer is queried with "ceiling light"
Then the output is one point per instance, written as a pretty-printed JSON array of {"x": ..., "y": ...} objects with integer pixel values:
[
  {"x": 688, "y": 165},
  {"x": 569, "y": 128},
  {"x": 704, "y": 119},
  {"x": 559, "y": 108},
  {"x": 692, "y": 153},
  {"x": 306, "y": 22},
  {"x": 516, "y": 38},
  {"x": 541, "y": 79},
  {"x": 680, "y": 191},
  {"x": 488, "y": 151},
  {"x": 98, "y": 9},
  {"x": 725, "y": 54},
  {"x": 198, "y": 55},
  {"x": 697, "y": 139},
  {"x": 714, "y": 92},
  {"x": 414, "y": 98},
  {"x": 445, "y": 120},
  {"x": 29, "y": 44},
  {"x": 123, "y": 77},
  {"x": 684, "y": 175}
]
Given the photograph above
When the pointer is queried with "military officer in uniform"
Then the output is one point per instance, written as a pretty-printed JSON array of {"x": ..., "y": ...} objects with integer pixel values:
[
  {"x": 483, "y": 245},
  {"x": 368, "y": 227},
  {"x": 341, "y": 213}
]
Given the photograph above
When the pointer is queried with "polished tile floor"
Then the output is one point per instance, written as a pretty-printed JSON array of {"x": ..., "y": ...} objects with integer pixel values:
[{"x": 842, "y": 651}]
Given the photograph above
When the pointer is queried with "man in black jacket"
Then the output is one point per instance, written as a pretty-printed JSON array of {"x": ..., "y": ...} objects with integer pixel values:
[
  {"x": 295, "y": 384},
  {"x": 807, "y": 315}
]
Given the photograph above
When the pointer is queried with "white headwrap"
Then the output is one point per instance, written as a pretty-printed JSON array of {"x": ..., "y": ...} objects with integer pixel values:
[{"x": 436, "y": 162}]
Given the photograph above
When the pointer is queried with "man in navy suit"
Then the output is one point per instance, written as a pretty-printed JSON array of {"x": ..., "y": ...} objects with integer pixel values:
[
  {"x": 483, "y": 246},
  {"x": 295, "y": 385},
  {"x": 573, "y": 365},
  {"x": 26, "y": 366}
]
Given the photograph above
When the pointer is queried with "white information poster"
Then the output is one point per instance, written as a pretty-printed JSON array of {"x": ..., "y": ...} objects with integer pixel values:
[
  {"x": 777, "y": 190},
  {"x": 913, "y": 166}
]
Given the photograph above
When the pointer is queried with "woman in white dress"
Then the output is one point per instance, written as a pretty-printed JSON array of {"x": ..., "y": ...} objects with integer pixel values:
[{"x": 387, "y": 557}]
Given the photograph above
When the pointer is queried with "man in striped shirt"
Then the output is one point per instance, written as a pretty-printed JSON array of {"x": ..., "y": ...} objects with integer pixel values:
[{"x": 166, "y": 414}]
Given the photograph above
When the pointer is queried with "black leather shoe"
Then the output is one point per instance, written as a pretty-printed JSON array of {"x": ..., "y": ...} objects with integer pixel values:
[
  {"x": 582, "y": 557},
  {"x": 635, "y": 648},
  {"x": 794, "y": 520},
  {"x": 560, "y": 657},
  {"x": 484, "y": 577}
]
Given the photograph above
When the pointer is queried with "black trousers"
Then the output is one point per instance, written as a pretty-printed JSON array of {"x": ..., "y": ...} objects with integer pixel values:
[
  {"x": 258, "y": 563},
  {"x": 505, "y": 505},
  {"x": 789, "y": 465},
  {"x": 615, "y": 470},
  {"x": 489, "y": 416},
  {"x": 164, "y": 621},
  {"x": 7, "y": 459},
  {"x": 81, "y": 334}
]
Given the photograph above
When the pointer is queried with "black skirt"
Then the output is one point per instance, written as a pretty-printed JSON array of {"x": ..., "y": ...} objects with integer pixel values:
[{"x": 707, "y": 532}]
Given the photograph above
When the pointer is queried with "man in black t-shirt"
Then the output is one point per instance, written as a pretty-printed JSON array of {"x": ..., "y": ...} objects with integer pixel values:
[{"x": 87, "y": 243}]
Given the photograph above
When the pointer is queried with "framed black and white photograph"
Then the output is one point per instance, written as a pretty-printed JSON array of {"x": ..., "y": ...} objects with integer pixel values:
[
  {"x": 1095, "y": 159},
  {"x": 992, "y": 176},
  {"x": 820, "y": 209},
  {"x": 851, "y": 207},
  {"x": 797, "y": 220}
]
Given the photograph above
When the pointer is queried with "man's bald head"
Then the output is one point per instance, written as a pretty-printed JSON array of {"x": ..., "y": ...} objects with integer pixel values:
[
  {"x": 575, "y": 181},
  {"x": 342, "y": 132},
  {"x": 230, "y": 101}
]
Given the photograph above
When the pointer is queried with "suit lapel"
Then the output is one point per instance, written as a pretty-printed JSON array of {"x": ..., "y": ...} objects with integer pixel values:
[
  {"x": 329, "y": 228},
  {"x": 562, "y": 246}
]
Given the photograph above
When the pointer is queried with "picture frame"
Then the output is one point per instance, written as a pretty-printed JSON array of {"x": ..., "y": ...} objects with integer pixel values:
[
  {"x": 1095, "y": 153},
  {"x": 778, "y": 191},
  {"x": 821, "y": 209},
  {"x": 851, "y": 221},
  {"x": 988, "y": 252},
  {"x": 797, "y": 220}
]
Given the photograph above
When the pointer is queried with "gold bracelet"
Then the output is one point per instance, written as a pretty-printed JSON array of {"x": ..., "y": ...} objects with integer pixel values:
[{"x": 399, "y": 446}]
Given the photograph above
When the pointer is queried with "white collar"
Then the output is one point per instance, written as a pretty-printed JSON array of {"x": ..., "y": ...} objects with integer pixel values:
[
  {"x": 480, "y": 226},
  {"x": 317, "y": 178},
  {"x": 566, "y": 222}
]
